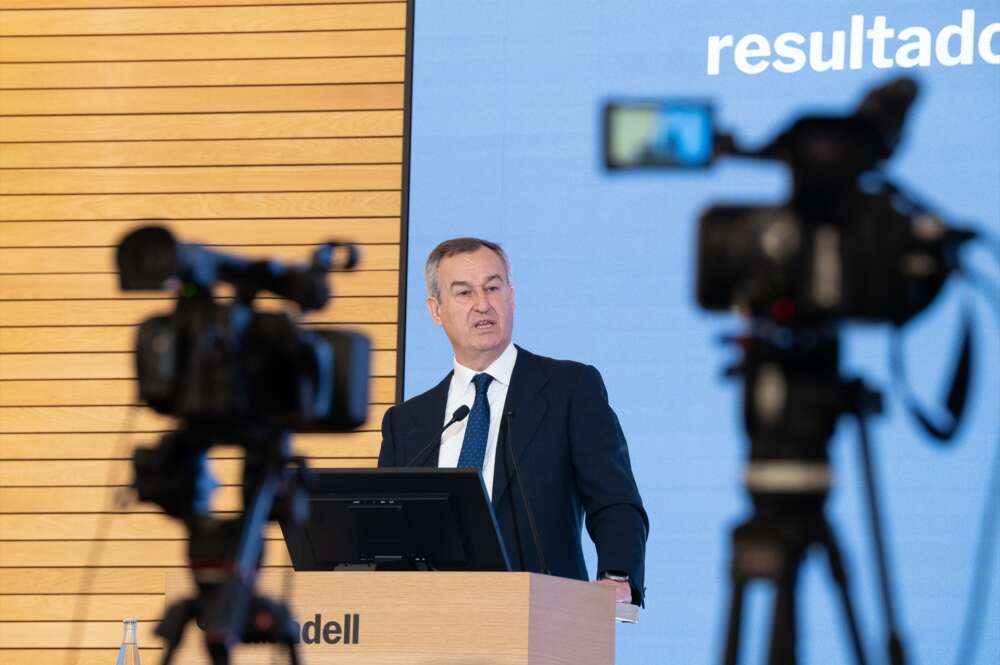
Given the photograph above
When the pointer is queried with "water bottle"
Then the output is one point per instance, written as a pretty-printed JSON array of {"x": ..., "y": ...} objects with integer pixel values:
[{"x": 128, "y": 652}]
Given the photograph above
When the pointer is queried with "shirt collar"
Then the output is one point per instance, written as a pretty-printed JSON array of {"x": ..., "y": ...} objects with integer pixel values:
[{"x": 500, "y": 369}]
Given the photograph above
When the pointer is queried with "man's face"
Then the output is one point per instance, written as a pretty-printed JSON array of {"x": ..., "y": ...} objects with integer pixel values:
[{"x": 475, "y": 306}]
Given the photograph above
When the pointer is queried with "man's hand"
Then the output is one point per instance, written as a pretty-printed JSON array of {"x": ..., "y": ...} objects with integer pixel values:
[{"x": 623, "y": 590}]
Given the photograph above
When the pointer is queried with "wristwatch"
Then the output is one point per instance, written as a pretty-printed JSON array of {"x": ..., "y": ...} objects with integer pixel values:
[{"x": 615, "y": 576}]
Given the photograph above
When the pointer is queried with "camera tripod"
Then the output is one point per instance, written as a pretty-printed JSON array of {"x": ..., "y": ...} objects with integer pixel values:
[
  {"x": 794, "y": 395},
  {"x": 225, "y": 555}
]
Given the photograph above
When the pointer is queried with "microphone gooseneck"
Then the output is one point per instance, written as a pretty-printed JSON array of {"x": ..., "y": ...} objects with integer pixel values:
[
  {"x": 524, "y": 497},
  {"x": 458, "y": 416}
]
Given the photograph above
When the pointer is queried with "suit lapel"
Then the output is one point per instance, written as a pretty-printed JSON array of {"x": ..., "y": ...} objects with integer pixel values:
[
  {"x": 428, "y": 419},
  {"x": 527, "y": 406}
]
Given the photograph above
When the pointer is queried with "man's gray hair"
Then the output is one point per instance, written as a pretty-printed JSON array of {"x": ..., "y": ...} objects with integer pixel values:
[{"x": 451, "y": 248}]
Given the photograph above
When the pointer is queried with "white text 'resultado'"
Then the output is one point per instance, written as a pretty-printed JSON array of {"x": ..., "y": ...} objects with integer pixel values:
[{"x": 877, "y": 44}]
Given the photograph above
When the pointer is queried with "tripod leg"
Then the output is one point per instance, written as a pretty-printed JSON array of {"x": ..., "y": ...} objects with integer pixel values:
[
  {"x": 894, "y": 643},
  {"x": 293, "y": 653},
  {"x": 168, "y": 654},
  {"x": 735, "y": 621},
  {"x": 171, "y": 628},
  {"x": 839, "y": 573},
  {"x": 219, "y": 653},
  {"x": 784, "y": 631}
]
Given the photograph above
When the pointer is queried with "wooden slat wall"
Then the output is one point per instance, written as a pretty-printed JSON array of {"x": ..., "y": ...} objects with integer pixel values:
[{"x": 258, "y": 126}]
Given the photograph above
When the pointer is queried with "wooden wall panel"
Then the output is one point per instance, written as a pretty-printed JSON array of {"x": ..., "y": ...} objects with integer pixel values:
[
  {"x": 207, "y": 19},
  {"x": 174, "y": 180},
  {"x": 203, "y": 99},
  {"x": 19, "y": 367},
  {"x": 75, "y": 473},
  {"x": 76, "y": 418},
  {"x": 74, "y": 656},
  {"x": 204, "y": 48},
  {"x": 88, "y": 339},
  {"x": 145, "y": 607},
  {"x": 115, "y": 392},
  {"x": 105, "y": 286},
  {"x": 172, "y": 553},
  {"x": 201, "y": 153},
  {"x": 199, "y": 126},
  {"x": 93, "y": 634},
  {"x": 257, "y": 127},
  {"x": 121, "y": 4},
  {"x": 209, "y": 204},
  {"x": 216, "y": 233},
  {"x": 70, "y": 579},
  {"x": 102, "y": 446},
  {"x": 81, "y": 260},
  {"x": 127, "y": 311},
  {"x": 283, "y": 71}
]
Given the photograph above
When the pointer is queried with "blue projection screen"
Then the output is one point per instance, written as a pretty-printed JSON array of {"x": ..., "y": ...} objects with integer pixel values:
[{"x": 506, "y": 144}]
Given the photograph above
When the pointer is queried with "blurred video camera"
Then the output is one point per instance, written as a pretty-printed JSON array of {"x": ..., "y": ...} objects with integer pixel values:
[
  {"x": 227, "y": 362},
  {"x": 234, "y": 374},
  {"x": 847, "y": 243}
]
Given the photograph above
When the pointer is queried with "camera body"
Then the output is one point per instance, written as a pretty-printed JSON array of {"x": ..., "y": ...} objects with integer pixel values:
[
  {"x": 846, "y": 245},
  {"x": 228, "y": 364},
  {"x": 861, "y": 258}
]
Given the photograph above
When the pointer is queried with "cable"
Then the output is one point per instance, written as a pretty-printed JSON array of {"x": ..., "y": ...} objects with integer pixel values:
[
  {"x": 992, "y": 243},
  {"x": 989, "y": 291},
  {"x": 980, "y": 582},
  {"x": 118, "y": 506},
  {"x": 979, "y": 585},
  {"x": 958, "y": 392}
]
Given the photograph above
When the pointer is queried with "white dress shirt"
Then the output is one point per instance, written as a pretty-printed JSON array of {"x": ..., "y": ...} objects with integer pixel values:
[{"x": 463, "y": 391}]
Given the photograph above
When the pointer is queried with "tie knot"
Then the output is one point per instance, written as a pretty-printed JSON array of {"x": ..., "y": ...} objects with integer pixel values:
[{"x": 482, "y": 382}]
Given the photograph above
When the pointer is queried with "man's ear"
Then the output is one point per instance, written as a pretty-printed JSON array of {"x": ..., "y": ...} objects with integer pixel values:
[{"x": 434, "y": 307}]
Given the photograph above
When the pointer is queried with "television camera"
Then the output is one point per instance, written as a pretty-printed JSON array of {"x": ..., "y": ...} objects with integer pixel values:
[
  {"x": 234, "y": 374},
  {"x": 848, "y": 244}
]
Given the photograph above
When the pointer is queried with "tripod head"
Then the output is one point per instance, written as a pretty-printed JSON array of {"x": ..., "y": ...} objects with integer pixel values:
[{"x": 793, "y": 397}]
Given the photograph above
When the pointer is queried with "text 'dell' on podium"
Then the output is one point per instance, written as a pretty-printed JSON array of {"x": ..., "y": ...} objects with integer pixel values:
[{"x": 430, "y": 618}]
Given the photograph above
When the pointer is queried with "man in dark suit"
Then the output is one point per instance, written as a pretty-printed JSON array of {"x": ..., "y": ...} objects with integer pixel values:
[{"x": 563, "y": 435}]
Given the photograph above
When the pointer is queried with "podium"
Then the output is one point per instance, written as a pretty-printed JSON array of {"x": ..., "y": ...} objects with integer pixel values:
[{"x": 429, "y": 618}]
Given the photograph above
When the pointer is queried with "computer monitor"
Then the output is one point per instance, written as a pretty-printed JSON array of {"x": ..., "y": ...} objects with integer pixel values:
[{"x": 397, "y": 519}]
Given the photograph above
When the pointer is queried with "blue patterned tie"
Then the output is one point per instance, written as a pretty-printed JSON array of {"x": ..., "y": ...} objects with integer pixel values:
[{"x": 478, "y": 428}]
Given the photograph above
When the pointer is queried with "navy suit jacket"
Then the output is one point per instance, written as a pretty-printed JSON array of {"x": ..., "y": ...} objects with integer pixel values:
[{"x": 573, "y": 460}]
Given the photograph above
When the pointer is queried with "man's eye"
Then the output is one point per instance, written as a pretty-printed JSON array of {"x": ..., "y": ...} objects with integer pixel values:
[
  {"x": 492, "y": 289},
  {"x": 462, "y": 294}
]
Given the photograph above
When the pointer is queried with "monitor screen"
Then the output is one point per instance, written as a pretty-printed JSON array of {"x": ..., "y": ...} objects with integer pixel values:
[{"x": 397, "y": 519}]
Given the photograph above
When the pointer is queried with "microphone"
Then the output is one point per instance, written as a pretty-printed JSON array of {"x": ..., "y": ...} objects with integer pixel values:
[
  {"x": 459, "y": 415},
  {"x": 512, "y": 459}
]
